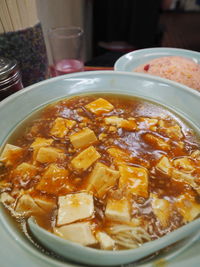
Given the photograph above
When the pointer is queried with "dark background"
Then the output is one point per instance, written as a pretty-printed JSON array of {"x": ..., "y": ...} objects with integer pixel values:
[{"x": 137, "y": 24}]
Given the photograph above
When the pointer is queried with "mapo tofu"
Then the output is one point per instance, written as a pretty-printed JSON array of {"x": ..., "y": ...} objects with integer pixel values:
[{"x": 99, "y": 170}]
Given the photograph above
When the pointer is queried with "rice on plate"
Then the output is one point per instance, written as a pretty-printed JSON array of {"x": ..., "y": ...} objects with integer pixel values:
[{"x": 175, "y": 68}]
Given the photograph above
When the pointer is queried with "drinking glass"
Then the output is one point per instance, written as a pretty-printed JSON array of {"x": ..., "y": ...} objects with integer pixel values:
[{"x": 66, "y": 45}]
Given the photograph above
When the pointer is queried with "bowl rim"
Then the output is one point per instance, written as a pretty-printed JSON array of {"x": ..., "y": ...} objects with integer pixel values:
[
  {"x": 10, "y": 99},
  {"x": 144, "y": 76}
]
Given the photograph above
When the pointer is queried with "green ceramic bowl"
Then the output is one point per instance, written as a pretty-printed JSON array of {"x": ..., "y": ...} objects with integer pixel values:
[{"x": 15, "y": 249}]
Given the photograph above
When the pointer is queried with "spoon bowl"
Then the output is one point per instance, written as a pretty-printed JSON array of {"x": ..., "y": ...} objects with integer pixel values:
[{"x": 92, "y": 256}]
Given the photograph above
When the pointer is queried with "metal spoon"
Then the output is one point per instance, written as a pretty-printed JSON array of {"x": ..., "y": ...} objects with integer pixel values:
[{"x": 94, "y": 257}]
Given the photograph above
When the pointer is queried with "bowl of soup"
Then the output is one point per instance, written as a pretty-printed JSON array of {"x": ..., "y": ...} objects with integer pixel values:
[
  {"x": 106, "y": 161},
  {"x": 179, "y": 65}
]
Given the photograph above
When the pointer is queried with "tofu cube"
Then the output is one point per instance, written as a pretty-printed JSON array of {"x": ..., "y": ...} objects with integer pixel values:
[
  {"x": 161, "y": 123},
  {"x": 41, "y": 142},
  {"x": 85, "y": 159},
  {"x": 99, "y": 106},
  {"x": 121, "y": 123},
  {"x": 49, "y": 154},
  {"x": 38, "y": 143},
  {"x": 147, "y": 123},
  {"x": 156, "y": 141},
  {"x": 196, "y": 154},
  {"x": 161, "y": 209},
  {"x": 4, "y": 185},
  {"x": 184, "y": 177},
  {"x": 27, "y": 206},
  {"x": 129, "y": 124},
  {"x": 164, "y": 165},
  {"x": 105, "y": 241},
  {"x": 174, "y": 132},
  {"x": 187, "y": 207},
  {"x": 24, "y": 173},
  {"x": 102, "y": 136},
  {"x": 112, "y": 129},
  {"x": 74, "y": 207},
  {"x": 25, "y": 170},
  {"x": 118, "y": 210},
  {"x": 134, "y": 179},
  {"x": 119, "y": 155},
  {"x": 6, "y": 198},
  {"x": 184, "y": 164},
  {"x": 10, "y": 154},
  {"x": 78, "y": 233},
  {"x": 113, "y": 120},
  {"x": 83, "y": 138},
  {"x": 55, "y": 181},
  {"x": 101, "y": 179},
  {"x": 61, "y": 127}
]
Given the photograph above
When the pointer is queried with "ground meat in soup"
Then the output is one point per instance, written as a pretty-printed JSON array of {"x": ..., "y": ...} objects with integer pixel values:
[{"x": 105, "y": 171}]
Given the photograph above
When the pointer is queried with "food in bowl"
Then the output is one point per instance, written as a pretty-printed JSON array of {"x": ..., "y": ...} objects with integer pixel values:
[
  {"x": 175, "y": 68},
  {"x": 106, "y": 171}
]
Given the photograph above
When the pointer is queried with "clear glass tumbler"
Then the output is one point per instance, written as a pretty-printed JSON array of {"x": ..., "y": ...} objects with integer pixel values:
[{"x": 66, "y": 49}]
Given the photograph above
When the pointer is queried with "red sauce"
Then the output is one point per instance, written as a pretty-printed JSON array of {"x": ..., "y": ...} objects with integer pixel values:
[{"x": 141, "y": 152}]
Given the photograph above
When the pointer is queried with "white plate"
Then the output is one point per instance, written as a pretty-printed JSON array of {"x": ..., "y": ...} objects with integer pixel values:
[{"x": 130, "y": 61}]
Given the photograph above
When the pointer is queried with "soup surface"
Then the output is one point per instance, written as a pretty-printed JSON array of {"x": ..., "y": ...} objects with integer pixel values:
[{"x": 109, "y": 172}]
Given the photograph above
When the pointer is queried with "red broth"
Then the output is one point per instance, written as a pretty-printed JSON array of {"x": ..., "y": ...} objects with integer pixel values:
[{"x": 133, "y": 164}]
